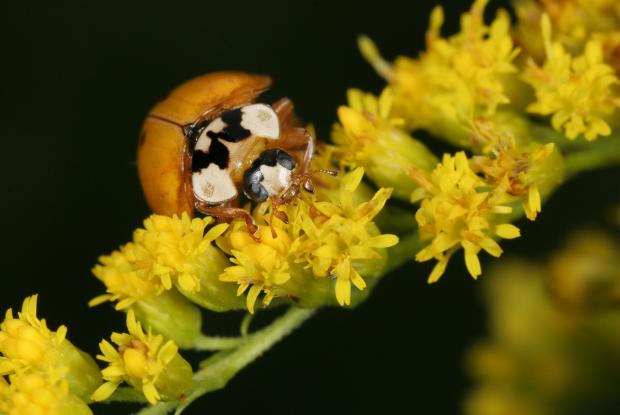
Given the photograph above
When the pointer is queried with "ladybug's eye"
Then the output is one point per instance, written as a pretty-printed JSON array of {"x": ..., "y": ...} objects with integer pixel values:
[{"x": 269, "y": 175}]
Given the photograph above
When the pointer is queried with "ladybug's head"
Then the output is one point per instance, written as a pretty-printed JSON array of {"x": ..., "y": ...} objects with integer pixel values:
[{"x": 269, "y": 175}]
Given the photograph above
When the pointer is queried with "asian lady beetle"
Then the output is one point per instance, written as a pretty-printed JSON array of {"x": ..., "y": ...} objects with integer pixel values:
[{"x": 209, "y": 140}]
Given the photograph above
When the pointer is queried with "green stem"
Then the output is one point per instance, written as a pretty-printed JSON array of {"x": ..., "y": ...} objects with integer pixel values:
[
  {"x": 603, "y": 152},
  {"x": 405, "y": 251},
  {"x": 217, "y": 372},
  {"x": 581, "y": 155},
  {"x": 126, "y": 394},
  {"x": 217, "y": 343}
]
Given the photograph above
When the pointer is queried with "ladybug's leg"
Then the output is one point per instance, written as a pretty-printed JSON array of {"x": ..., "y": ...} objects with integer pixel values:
[
  {"x": 227, "y": 213},
  {"x": 303, "y": 175},
  {"x": 276, "y": 202}
]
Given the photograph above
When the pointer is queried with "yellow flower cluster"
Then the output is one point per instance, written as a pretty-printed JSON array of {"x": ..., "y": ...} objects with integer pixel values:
[
  {"x": 145, "y": 362},
  {"x": 41, "y": 372},
  {"x": 457, "y": 211},
  {"x": 369, "y": 136},
  {"x": 471, "y": 90},
  {"x": 520, "y": 170},
  {"x": 167, "y": 252},
  {"x": 578, "y": 92},
  {"x": 330, "y": 234},
  {"x": 340, "y": 240},
  {"x": 32, "y": 394},
  {"x": 456, "y": 78},
  {"x": 258, "y": 266},
  {"x": 574, "y": 22}
]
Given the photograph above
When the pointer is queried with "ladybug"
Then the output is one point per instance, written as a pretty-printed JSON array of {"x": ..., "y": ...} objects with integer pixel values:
[{"x": 209, "y": 141}]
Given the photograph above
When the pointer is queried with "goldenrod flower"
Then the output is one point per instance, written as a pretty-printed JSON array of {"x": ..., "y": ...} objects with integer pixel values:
[
  {"x": 128, "y": 276},
  {"x": 129, "y": 279},
  {"x": 370, "y": 137},
  {"x": 260, "y": 267},
  {"x": 177, "y": 246},
  {"x": 455, "y": 78},
  {"x": 168, "y": 252},
  {"x": 577, "y": 92},
  {"x": 26, "y": 343},
  {"x": 523, "y": 171},
  {"x": 459, "y": 210},
  {"x": 339, "y": 239},
  {"x": 574, "y": 22},
  {"x": 170, "y": 255},
  {"x": 144, "y": 361},
  {"x": 28, "y": 393}
]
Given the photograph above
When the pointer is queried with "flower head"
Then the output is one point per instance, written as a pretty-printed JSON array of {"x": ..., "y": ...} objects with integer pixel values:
[
  {"x": 459, "y": 210},
  {"x": 27, "y": 344},
  {"x": 26, "y": 340},
  {"x": 259, "y": 267},
  {"x": 145, "y": 361},
  {"x": 127, "y": 275},
  {"x": 574, "y": 22},
  {"x": 29, "y": 393},
  {"x": 455, "y": 78},
  {"x": 168, "y": 254},
  {"x": 577, "y": 92},
  {"x": 523, "y": 170},
  {"x": 370, "y": 137},
  {"x": 338, "y": 237},
  {"x": 177, "y": 245}
]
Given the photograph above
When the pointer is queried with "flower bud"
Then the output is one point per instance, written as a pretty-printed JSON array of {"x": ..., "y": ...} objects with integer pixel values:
[
  {"x": 29, "y": 393},
  {"x": 211, "y": 293},
  {"x": 370, "y": 137},
  {"x": 171, "y": 315},
  {"x": 27, "y": 343}
]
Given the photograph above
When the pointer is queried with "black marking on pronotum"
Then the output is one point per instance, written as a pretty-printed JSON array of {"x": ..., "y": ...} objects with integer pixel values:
[
  {"x": 233, "y": 132},
  {"x": 218, "y": 154},
  {"x": 272, "y": 157},
  {"x": 192, "y": 131},
  {"x": 253, "y": 177}
]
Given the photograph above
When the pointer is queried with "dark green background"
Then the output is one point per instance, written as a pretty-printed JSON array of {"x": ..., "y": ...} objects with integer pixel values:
[{"x": 78, "y": 78}]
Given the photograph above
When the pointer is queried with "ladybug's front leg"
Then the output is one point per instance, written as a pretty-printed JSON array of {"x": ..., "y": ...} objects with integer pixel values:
[{"x": 228, "y": 213}]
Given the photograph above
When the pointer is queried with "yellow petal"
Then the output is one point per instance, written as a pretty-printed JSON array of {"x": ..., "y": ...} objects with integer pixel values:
[
  {"x": 382, "y": 241},
  {"x": 104, "y": 391},
  {"x": 473, "y": 265},
  {"x": 507, "y": 231},
  {"x": 357, "y": 280},
  {"x": 343, "y": 291},
  {"x": 252, "y": 296},
  {"x": 438, "y": 270}
]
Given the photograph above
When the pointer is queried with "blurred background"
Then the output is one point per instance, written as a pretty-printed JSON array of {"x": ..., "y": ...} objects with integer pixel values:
[{"x": 78, "y": 79}]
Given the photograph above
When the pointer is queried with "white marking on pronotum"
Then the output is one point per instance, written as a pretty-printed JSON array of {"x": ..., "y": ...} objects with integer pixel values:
[
  {"x": 276, "y": 179},
  {"x": 213, "y": 185},
  {"x": 261, "y": 120}
]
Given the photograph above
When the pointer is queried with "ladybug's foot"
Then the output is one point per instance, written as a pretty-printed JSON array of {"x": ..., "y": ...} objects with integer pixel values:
[
  {"x": 252, "y": 229},
  {"x": 227, "y": 214},
  {"x": 281, "y": 215}
]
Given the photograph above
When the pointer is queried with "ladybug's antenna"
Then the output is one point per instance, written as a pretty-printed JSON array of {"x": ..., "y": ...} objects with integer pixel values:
[
  {"x": 157, "y": 117},
  {"x": 332, "y": 173},
  {"x": 329, "y": 172}
]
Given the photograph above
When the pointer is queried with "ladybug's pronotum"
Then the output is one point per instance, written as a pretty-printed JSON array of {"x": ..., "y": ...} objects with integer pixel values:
[{"x": 209, "y": 140}]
